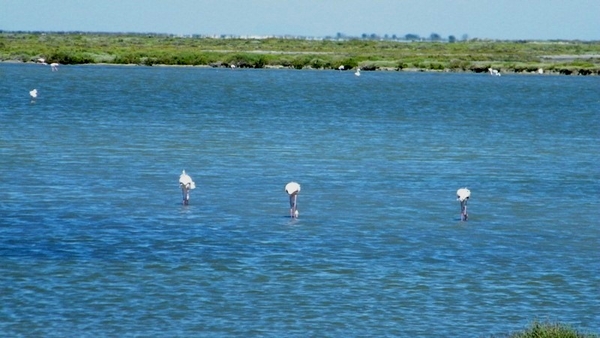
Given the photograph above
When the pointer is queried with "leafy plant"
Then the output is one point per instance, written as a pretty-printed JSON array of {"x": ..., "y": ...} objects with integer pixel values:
[{"x": 551, "y": 330}]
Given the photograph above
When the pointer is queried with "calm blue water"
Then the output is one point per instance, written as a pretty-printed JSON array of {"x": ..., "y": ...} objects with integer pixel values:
[{"x": 94, "y": 240}]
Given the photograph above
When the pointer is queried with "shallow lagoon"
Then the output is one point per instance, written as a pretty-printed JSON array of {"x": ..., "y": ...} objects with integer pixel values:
[{"x": 94, "y": 239}]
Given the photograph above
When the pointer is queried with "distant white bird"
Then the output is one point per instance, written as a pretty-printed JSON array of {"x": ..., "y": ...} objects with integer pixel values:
[
  {"x": 42, "y": 61},
  {"x": 357, "y": 72},
  {"x": 292, "y": 189},
  {"x": 186, "y": 184},
  {"x": 54, "y": 66},
  {"x": 33, "y": 94},
  {"x": 232, "y": 66},
  {"x": 341, "y": 67},
  {"x": 463, "y": 195},
  {"x": 540, "y": 71},
  {"x": 494, "y": 72}
]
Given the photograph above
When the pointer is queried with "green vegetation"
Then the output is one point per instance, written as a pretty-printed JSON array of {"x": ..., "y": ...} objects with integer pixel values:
[
  {"x": 551, "y": 330},
  {"x": 563, "y": 57}
]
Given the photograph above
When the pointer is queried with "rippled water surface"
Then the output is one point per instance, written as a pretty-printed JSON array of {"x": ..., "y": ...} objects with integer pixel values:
[{"x": 94, "y": 240}]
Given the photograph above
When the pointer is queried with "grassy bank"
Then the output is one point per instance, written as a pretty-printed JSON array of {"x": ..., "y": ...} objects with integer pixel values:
[{"x": 562, "y": 57}]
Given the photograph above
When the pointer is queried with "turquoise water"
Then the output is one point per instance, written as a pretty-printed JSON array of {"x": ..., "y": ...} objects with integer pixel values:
[{"x": 94, "y": 240}]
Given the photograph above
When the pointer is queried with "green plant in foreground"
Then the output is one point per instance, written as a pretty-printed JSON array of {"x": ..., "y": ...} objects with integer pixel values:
[{"x": 551, "y": 330}]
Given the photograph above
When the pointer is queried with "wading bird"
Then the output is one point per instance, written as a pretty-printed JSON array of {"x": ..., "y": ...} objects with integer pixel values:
[
  {"x": 494, "y": 72},
  {"x": 33, "y": 94},
  {"x": 292, "y": 189},
  {"x": 186, "y": 184},
  {"x": 357, "y": 72},
  {"x": 462, "y": 195},
  {"x": 54, "y": 66}
]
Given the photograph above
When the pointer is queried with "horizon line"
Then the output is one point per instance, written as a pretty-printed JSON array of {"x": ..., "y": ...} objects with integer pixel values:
[{"x": 337, "y": 36}]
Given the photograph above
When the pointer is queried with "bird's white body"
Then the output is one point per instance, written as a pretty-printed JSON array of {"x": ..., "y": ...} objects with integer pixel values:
[
  {"x": 357, "y": 72},
  {"x": 341, "y": 67},
  {"x": 292, "y": 189},
  {"x": 54, "y": 66},
  {"x": 186, "y": 183},
  {"x": 463, "y": 195},
  {"x": 494, "y": 72},
  {"x": 33, "y": 93}
]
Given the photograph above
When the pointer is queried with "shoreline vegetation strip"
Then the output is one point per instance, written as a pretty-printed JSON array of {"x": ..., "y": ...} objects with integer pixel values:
[{"x": 475, "y": 55}]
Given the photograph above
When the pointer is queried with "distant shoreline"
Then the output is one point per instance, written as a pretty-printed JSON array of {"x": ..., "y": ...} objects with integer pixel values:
[
  {"x": 475, "y": 56},
  {"x": 281, "y": 67}
]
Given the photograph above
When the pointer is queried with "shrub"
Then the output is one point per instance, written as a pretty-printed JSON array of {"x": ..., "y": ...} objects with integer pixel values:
[
  {"x": 348, "y": 63},
  {"x": 318, "y": 63},
  {"x": 69, "y": 58},
  {"x": 402, "y": 65},
  {"x": 436, "y": 66},
  {"x": 128, "y": 58},
  {"x": 368, "y": 66},
  {"x": 459, "y": 65},
  {"x": 551, "y": 330},
  {"x": 247, "y": 60},
  {"x": 479, "y": 68},
  {"x": 300, "y": 62}
]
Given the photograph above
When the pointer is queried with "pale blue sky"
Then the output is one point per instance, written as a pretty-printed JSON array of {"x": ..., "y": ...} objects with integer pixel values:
[{"x": 493, "y": 19}]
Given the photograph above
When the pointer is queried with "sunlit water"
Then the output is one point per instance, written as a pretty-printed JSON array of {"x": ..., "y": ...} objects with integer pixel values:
[{"x": 94, "y": 240}]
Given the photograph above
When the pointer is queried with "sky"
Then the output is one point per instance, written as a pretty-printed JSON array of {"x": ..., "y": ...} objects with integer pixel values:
[{"x": 484, "y": 19}]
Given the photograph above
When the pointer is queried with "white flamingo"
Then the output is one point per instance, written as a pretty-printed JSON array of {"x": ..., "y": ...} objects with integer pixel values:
[
  {"x": 54, "y": 66},
  {"x": 42, "y": 61},
  {"x": 186, "y": 184},
  {"x": 462, "y": 195},
  {"x": 357, "y": 72},
  {"x": 341, "y": 67},
  {"x": 494, "y": 72},
  {"x": 232, "y": 66},
  {"x": 33, "y": 93},
  {"x": 292, "y": 189}
]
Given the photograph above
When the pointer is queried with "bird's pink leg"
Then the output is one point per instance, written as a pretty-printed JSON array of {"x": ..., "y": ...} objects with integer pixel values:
[
  {"x": 295, "y": 207},
  {"x": 186, "y": 195}
]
